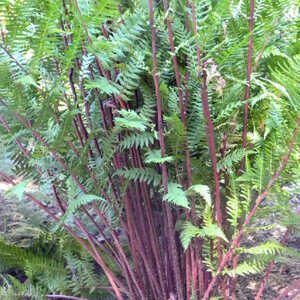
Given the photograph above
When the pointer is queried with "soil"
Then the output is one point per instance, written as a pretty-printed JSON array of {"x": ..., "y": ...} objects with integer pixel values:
[{"x": 282, "y": 275}]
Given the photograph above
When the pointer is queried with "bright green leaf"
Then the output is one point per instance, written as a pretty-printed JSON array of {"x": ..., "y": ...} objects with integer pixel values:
[{"x": 176, "y": 195}]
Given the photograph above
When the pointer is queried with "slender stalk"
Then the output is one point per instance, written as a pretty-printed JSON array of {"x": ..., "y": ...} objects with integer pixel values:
[
  {"x": 246, "y": 112},
  {"x": 258, "y": 201},
  {"x": 170, "y": 225},
  {"x": 210, "y": 126},
  {"x": 180, "y": 94},
  {"x": 249, "y": 70},
  {"x": 209, "y": 132},
  {"x": 269, "y": 269},
  {"x": 154, "y": 239},
  {"x": 295, "y": 284},
  {"x": 111, "y": 277}
]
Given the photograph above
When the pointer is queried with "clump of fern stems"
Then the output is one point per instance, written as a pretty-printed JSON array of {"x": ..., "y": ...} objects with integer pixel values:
[{"x": 156, "y": 130}]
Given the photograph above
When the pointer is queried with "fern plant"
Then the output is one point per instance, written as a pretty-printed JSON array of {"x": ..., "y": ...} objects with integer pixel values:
[
  {"x": 52, "y": 265},
  {"x": 139, "y": 119}
]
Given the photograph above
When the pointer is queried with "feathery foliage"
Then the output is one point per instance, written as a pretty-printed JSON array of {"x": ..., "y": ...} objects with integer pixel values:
[{"x": 139, "y": 118}]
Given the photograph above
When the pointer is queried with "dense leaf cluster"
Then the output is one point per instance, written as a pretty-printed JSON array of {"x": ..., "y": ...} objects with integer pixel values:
[{"x": 154, "y": 173}]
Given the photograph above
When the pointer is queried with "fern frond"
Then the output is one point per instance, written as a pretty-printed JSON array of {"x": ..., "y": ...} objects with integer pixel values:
[
  {"x": 131, "y": 120},
  {"x": 190, "y": 231},
  {"x": 154, "y": 156},
  {"x": 232, "y": 158},
  {"x": 267, "y": 248},
  {"x": 147, "y": 175},
  {"x": 176, "y": 195},
  {"x": 137, "y": 140},
  {"x": 202, "y": 190},
  {"x": 253, "y": 266}
]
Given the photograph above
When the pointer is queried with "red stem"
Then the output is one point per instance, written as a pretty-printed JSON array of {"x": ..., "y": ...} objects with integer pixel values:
[
  {"x": 249, "y": 69},
  {"x": 209, "y": 133},
  {"x": 245, "y": 120},
  {"x": 170, "y": 226},
  {"x": 285, "y": 292},
  {"x": 180, "y": 94},
  {"x": 258, "y": 201},
  {"x": 269, "y": 269},
  {"x": 210, "y": 127},
  {"x": 111, "y": 277}
]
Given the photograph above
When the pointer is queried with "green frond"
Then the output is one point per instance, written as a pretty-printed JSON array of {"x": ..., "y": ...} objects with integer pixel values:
[
  {"x": 202, "y": 190},
  {"x": 176, "y": 195},
  {"x": 148, "y": 109},
  {"x": 253, "y": 266},
  {"x": 267, "y": 248},
  {"x": 137, "y": 140},
  {"x": 147, "y": 175},
  {"x": 82, "y": 200},
  {"x": 190, "y": 231},
  {"x": 154, "y": 156},
  {"x": 234, "y": 206},
  {"x": 233, "y": 158},
  {"x": 103, "y": 85},
  {"x": 131, "y": 120}
]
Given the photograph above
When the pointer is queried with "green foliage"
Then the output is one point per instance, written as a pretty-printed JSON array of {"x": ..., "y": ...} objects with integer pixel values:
[
  {"x": 82, "y": 78},
  {"x": 233, "y": 158},
  {"x": 234, "y": 206},
  {"x": 190, "y": 231},
  {"x": 202, "y": 190},
  {"x": 154, "y": 156},
  {"x": 137, "y": 140},
  {"x": 253, "y": 266},
  {"x": 176, "y": 195},
  {"x": 83, "y": 200},
  {"x": 264, "y": 248},
  {"x": 131, "y": 120},
  {"x": 261, "y": 256},
  {"x": 103, "y": 85},
  {"x": 147, "y": 175},
  {"x": 50, "y": 264}
]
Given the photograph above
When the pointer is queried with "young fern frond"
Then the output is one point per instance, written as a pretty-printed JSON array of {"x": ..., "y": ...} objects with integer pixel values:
[{"x": 191, "y": 231}]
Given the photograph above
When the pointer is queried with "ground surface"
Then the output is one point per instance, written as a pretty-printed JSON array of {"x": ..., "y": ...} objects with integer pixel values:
[{"x": 282, "y": 275}]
